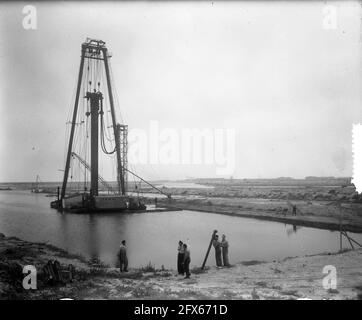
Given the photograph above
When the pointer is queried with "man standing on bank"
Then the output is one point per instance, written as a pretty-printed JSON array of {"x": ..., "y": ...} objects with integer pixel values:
[
  {"x": 180, "y": 258},
  {"x": 187, "y": 260},
  {"x": 225, "y": 251},
  {"x": 123, "y": 260},
  {"x": 217, "y": 245}
]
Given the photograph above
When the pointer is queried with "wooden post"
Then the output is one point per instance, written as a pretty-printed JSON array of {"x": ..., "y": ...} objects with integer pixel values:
[{"x": 208, "y": 249}]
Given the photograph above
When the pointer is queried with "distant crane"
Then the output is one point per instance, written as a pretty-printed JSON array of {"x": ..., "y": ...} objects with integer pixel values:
[
  {"x": 168, "y": 195},
  {"x": 35, "y": 186}
]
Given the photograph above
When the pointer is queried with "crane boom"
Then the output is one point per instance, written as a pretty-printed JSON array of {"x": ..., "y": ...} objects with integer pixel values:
[
  {"x": 87, "y": 166},
  {"x": 150, "y": 184}
]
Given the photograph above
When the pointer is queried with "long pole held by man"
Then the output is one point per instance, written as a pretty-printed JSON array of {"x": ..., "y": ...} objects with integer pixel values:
[{"x": 208, "y": 249}]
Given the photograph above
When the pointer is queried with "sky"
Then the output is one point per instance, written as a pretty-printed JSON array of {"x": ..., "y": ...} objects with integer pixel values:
[{"x": 284, "y": 82}]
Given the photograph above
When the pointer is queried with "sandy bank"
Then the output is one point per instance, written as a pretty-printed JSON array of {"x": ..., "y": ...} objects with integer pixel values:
[
  {"x": 291, "y": 278},
  {"x": 315, "y": 214}
]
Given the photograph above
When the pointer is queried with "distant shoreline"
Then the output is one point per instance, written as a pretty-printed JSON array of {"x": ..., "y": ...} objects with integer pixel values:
[
  {"x": 325, "y": 223},
  {"x": 212, "y": 180}
]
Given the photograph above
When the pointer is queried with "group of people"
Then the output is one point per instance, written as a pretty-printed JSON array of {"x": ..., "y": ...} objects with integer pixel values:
[
  {"x": 221, "y": 251},
  {"x": 183, "y": 260},
  {"x": 184, "y": 257}
]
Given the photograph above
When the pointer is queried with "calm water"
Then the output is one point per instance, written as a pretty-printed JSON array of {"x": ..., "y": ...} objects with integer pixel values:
[{"x": 154, "y": 236}]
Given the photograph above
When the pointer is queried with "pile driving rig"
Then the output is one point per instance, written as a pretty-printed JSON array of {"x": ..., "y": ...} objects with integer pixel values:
[{"x": 90, "y": 116}]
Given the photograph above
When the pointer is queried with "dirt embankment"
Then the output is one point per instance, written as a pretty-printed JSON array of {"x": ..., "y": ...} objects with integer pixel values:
[
  {"x": 324, "y": 207},
  {"x": 314, "y": 215},
  {"x": 292, "y": 278}
]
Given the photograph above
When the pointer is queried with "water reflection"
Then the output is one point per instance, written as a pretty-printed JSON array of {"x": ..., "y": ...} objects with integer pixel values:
[{"x": 292, "y": 229}]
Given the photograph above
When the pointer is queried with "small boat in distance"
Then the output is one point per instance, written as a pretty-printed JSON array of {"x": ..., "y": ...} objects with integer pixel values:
[
  {"x": 5, "y": 189},
  {"x": 35, "y": 186}
]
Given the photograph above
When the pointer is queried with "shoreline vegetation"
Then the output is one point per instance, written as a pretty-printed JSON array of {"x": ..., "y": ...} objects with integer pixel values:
[{"x": 289, "y": 278}]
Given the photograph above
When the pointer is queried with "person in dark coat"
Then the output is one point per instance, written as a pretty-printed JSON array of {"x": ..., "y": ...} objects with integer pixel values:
[
  {"x": 180, "y": 258},
  {"x": 225, "y": 251},
  {"x": 123, "y": 260},
  {"x": 187, "y": 260},
  {"x": 217, "y": 245}
]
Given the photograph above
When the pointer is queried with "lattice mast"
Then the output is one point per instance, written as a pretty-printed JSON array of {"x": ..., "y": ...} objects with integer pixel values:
[{"x": 123, "y": 142}]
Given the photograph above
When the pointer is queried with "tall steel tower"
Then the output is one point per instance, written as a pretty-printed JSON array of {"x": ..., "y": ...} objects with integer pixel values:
[{"x": 96, "y": 49}]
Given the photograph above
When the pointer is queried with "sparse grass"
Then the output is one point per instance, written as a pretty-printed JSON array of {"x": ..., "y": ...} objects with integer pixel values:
[
  {"x": 163, "y": 269},
  {"x": 262, "y": 284},
  {"x": 333, "y": 291},
  {"x": 61, "y": 252},
  {"x": 21, "y": 246},
  {"x": 227, "y": 294},
  {"x": 16, "y": 253},
  {"x": 290, "y": 293},
  {"x": 96, "y": 262},
  {"x": 190, "y": 281},
  {"x": 13, "y": 238},
  {"x": 276, "y": 287},
  {"x": 97, "y": 266},
  {"x": 190, "y": 294},
  {"x": 251, "y": 262},
  {"x": 143, "y": 291},
  {"x": 198, "y": 270},
  {"x": 149, "y": 267},
  {"x": 165, "y": 274},
  {"x": 136, "y": 275}
]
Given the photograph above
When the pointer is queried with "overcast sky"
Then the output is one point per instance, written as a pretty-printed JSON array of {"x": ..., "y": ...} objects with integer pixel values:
[{"x": 289, "y": 87}]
